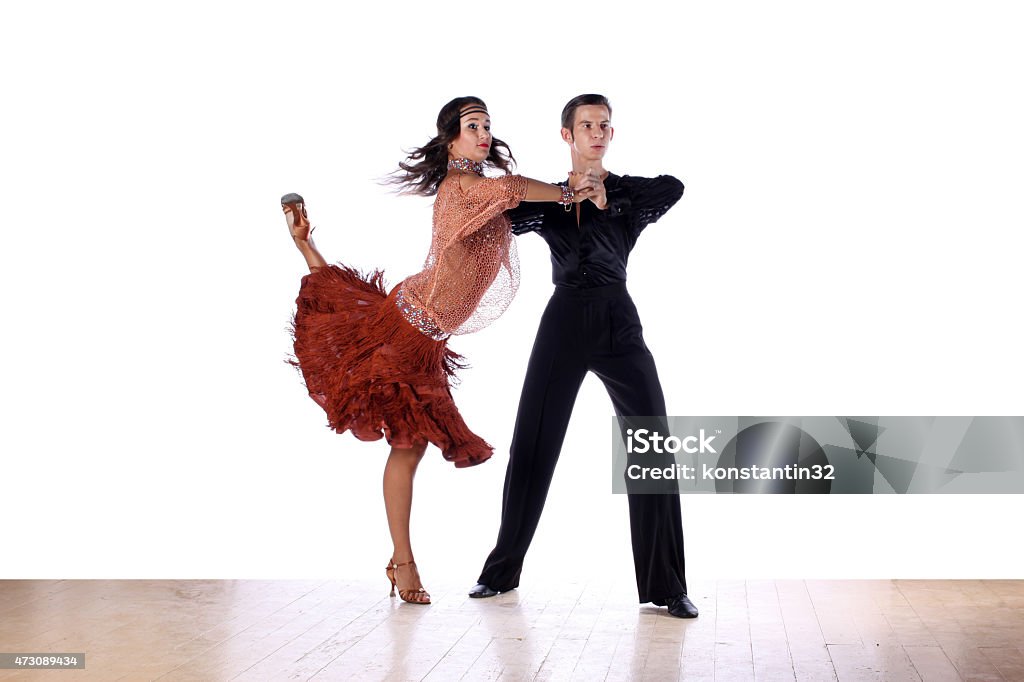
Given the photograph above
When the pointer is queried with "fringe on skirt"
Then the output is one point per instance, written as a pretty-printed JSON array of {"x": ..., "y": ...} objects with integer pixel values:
[{"x": 372, "y": 372}]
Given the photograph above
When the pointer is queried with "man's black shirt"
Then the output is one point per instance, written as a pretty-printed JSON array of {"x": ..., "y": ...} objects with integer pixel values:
[{"x": 594, "y": 252}]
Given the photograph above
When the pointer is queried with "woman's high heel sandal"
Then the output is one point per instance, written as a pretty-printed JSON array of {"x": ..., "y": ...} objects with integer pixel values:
[
  {"x": 417, "y": 596},
  {"x": 294, "y": 204}
]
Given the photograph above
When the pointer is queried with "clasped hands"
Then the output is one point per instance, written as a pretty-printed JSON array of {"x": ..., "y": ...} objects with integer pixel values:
[{"x": 588, "y": 185}]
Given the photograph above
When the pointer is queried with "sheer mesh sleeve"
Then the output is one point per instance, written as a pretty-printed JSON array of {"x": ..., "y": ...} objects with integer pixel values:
[
  {"x": 510, "y": 189},
  {"x": 493, "y": 196}
]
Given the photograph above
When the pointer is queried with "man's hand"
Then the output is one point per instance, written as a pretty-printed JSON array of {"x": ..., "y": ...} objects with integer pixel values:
[{"x": 590, "y": 181}]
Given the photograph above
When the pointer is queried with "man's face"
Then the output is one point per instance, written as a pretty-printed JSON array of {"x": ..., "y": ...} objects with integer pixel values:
[{"x": 591, "y": 133}]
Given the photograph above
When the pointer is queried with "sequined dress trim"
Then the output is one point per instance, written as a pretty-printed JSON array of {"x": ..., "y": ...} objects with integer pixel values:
[{"x": 418, "y": 318}]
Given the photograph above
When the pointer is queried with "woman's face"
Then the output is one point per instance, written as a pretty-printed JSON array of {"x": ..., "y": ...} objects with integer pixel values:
[{"x": 474, "y": 140}]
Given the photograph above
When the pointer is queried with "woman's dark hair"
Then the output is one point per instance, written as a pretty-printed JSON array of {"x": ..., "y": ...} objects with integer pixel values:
[
  {"x": 569, "y": 111},
  {"x": 425, "y": 167}
]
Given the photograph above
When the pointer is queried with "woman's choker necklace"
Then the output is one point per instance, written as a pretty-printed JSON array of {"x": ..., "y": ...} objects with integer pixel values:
[{"x": 466, "y": 165}]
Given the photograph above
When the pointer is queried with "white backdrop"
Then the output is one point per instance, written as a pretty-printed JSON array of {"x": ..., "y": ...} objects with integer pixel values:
[{"x": 849, "y": 243}]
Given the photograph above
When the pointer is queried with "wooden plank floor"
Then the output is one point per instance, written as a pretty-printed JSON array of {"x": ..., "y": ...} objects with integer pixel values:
[{"x": 586, "y": 630}]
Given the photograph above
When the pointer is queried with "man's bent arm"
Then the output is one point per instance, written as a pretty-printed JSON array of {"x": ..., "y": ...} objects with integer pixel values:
[{"x": 650, "y": 198}]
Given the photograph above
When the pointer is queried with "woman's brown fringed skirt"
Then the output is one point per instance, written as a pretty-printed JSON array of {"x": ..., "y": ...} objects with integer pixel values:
[{"x": 372, "y": 372}]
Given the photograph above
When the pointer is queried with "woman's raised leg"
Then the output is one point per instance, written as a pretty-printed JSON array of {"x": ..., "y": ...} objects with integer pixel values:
[{"x": 294, "y": 208}]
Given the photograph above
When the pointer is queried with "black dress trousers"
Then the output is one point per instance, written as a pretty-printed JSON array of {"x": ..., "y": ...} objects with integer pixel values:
[{"x": 597, "y": 330}]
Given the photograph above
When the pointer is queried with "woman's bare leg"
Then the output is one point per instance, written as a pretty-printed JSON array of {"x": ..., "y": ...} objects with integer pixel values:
[
  {"x": 313, "y": 258},
  {"x": 398, "y": 476}
]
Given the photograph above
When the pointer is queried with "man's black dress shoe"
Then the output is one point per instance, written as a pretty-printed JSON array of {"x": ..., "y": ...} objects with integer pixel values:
[
  {"x": 481, "y": 591},
  {"x": 680, "y": 606}
]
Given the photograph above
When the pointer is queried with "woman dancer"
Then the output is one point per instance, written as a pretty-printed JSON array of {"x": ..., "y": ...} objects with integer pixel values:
[{"x": 378, "y": 362}]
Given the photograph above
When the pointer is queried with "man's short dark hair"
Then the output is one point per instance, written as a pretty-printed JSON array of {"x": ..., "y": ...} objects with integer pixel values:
[{"x": 569, "y": 112}]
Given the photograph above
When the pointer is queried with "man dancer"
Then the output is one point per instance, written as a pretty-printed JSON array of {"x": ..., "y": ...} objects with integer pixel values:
[{"x": 590, "y": 324}]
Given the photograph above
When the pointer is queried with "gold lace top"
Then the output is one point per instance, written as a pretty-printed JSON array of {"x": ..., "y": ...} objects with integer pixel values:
[{"x": 472, "y": 271}]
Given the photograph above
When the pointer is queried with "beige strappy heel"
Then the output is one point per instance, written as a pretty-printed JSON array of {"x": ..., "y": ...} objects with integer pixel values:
[
  {"x": 296, "y": 205},
  {"x": 417, "y": 596}
]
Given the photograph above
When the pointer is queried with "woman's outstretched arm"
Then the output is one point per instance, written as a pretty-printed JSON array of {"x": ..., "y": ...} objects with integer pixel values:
[
  {"x": 542, "y": 191},
  {"x": 536, "y": 190}
]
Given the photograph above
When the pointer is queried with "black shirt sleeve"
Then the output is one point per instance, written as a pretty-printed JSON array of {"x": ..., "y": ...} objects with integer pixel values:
[
  {"x": 527, "y": 216},
  {"x": 648, "y": 199}
]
